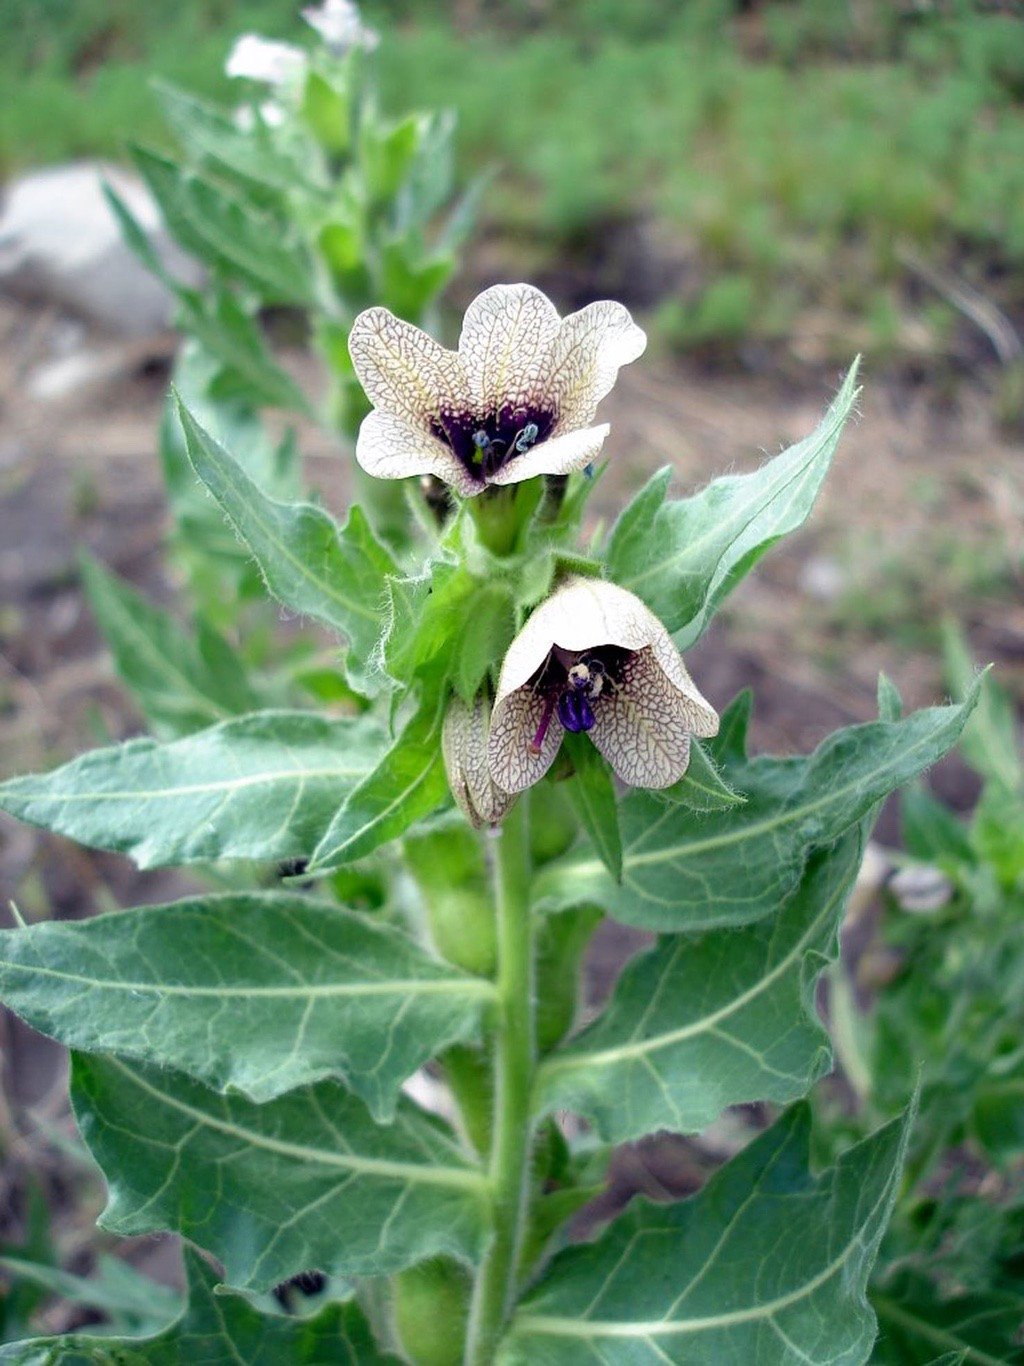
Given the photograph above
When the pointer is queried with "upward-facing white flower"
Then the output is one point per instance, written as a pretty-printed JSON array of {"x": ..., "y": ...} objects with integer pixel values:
[
  {"x": 593, "y": 658},
  {"x": 262, "y": 59},
  {"x": 515, "y": 401},
  {"x": 340, "y": 26}
]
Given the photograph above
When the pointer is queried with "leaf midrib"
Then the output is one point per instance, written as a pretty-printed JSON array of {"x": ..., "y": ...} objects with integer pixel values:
[
  {"x": 473, "y": 986},
  {"x": 637, "y": 1048},
  {"x": 560, "y": 1326},
  {"x": 730, "y": 837},
  {"x": 467, "y": 1179},
  {"x": 267, "y": 778}
]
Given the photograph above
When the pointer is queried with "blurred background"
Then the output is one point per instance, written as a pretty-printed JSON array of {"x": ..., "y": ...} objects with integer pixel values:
[{"x": 771, "y": 187}]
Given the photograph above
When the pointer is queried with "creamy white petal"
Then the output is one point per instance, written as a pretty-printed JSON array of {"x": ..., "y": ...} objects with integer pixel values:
[
  {"x": 464, "y": 739},
  {"x": 263, "y": 59},
  {"x": 339, "y": 25},
  {"x": 580, "y": 615},
  {"x": 702, "y": 719},
  {"x": 505, "y": 347},
  {"x": 404, "y": 371},
  {"x": 514, "y": 722},
  {"x": 559, "y": 455},
  {"x": 591, "y": 347},
  {"x": 389, "y": 447},
  {"x": 641, "y": 725}
]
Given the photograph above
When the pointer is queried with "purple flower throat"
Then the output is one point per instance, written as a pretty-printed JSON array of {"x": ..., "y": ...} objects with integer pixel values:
[{"x": 572, "y": 683}]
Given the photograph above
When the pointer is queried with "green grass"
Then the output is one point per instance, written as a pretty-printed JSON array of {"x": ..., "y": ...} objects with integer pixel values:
[{"x": 795, "y": 148}]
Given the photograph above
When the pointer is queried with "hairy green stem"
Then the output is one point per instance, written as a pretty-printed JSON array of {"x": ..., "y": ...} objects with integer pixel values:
[{"x": 514, "y": 1059}]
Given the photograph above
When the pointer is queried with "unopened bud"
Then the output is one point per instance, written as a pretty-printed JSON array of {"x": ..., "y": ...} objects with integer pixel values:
[{"x": 464, "y": 746}]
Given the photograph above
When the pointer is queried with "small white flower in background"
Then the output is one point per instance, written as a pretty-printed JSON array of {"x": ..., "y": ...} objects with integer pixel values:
[
  {"x": 464, "y": 747},
  {"x": 593, "y": 658},
  {"x": 515, "y": 401},
  {"x": 921, "y": 890},
  {"x": 339, "y": 25},
  {"x": 262, "y": 59}
]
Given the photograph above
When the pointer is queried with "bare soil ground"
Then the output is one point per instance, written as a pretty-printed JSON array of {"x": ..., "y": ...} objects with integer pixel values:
[{"x": 922, "y": 515}]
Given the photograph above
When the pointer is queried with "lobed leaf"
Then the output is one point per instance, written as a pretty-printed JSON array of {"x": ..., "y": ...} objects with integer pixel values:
[
  {"x": 766, "y": 1265},
  {"x": 701, "y": 1022},
  {"x": 691, "y": 870},
  {"x": 215, "y": 1329},
  {"x": 407, "y": 784},
  {"x": 261, "y": 787},
  {"x": 181, "y": 684},
  {"x": 216, "y": 318},
  {"x": 683, "y": 556},
  {"x": 227, "y": 232},
  {"x": 307, "y": 1180},
  {"x": 251, "y": 992},
  {"x": 336, "y": 574},
  {"x": 213, "y": 134}
]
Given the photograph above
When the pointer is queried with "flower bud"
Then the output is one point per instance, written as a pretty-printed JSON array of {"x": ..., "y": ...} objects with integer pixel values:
[{"x": 464, "y": 739}]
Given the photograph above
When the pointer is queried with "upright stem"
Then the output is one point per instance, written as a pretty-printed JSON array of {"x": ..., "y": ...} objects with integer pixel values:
[{"x": 513, "y": 1065}]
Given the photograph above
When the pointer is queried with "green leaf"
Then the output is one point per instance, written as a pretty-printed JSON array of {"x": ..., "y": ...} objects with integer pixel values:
[
  {"x": 180, "y": 684},
  {"x": 766, "y": 1264},
  {"x": 729, "y": 746},
  {"x": 229, "y": 331},
  {"x": 226, "y": 232},
  {"x": 700, "y": 1022},
  {"x": 115, "y": 1288},
  {"x": 997, "y": 832},
  {"x": 694, "y": 870},
  {"x": 931, "y": 831},
  {"x": 592, "y": 793},
  {"x": 210, "y": 133},
  {"x": 326, "y": 109},
  {"x": 275, "y": 991},
  {"x": 992, "y": 741},
  {"x": 914, "y": 1322},
  {"x": 257, "y": 787},
  {"x": 410, "y": 283},
  {"x": 408, "y": 784},
  {"x": 215, "y": 1329},
  {"x": 702, "y": 787},
  {"x": 217, "y": 319},
  {"x": 312, "y": 565},
  {"x": 218, "y": 564},
  {"x": 682, "y": 556},
  {"x": 997, "y": 1119},
  {"x": 487, "y": 631},
  {"x": 387, "y": 151},
  {"x": 307, "y": 1180}
]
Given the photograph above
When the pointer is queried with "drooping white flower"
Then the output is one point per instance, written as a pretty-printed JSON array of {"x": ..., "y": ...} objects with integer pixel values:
[
  {"x": 593, "y": 658},
  {"x": 516, "y": 400},
  {"x": 339, "y": 24},
  {"x": 263, "y": 59},
  {"x": 464, "y": 748}
]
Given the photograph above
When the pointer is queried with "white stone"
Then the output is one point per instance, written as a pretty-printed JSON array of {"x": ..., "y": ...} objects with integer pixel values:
[{"x": 60, "y": 244}]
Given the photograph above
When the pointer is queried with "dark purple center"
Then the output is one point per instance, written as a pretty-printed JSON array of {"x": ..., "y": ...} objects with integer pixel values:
[
  {"x": 485, "y": 443},
  {"x": 572, "y": 685}
]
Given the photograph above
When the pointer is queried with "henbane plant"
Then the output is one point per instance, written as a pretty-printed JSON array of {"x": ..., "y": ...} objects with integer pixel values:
[
  {"x": 520, "y": 749},
  {"x": 402, "y": 845}
]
